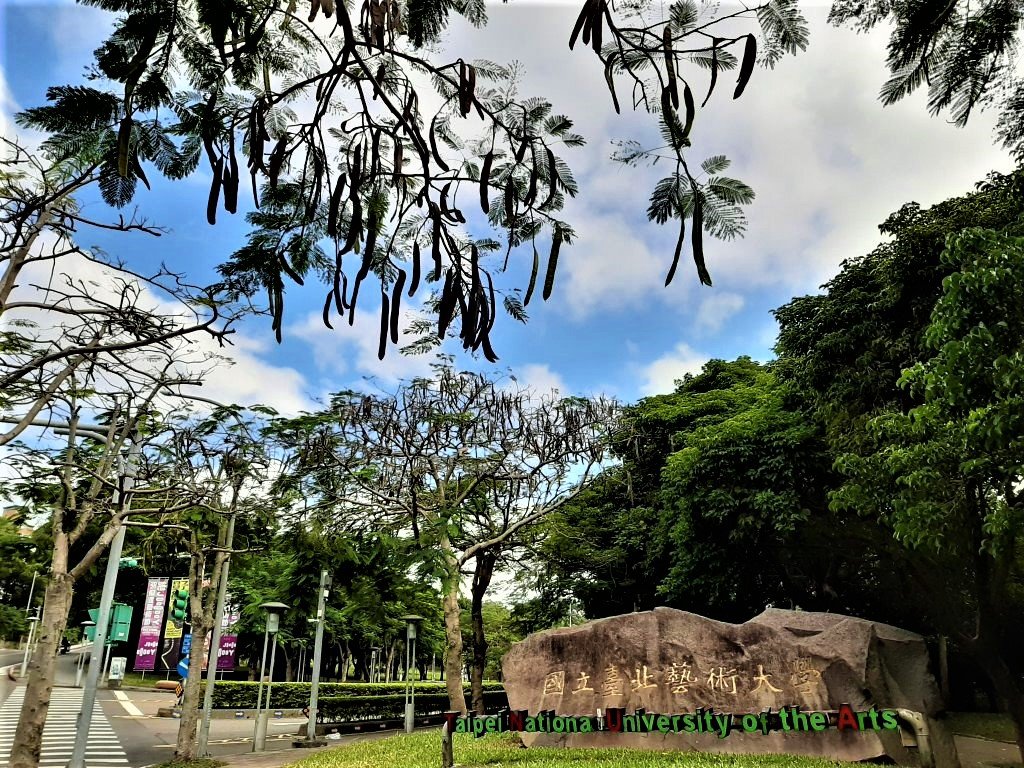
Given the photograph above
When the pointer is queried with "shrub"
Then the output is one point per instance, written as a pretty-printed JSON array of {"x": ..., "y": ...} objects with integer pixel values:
[
  {"x": 338, "y": 709},
  {"x": 242, "y": 695}
]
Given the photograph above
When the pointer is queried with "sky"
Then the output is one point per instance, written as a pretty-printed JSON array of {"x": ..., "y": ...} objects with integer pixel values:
[{"x": 827, "y": 161}]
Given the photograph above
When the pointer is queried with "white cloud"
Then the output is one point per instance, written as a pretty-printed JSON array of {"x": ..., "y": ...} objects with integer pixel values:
[
  {"x": 541, "y": 379},
  {"x": 659, "y": 376},
  {"x": 351, "y": 351},
  {"x": 718, "y": 308}
]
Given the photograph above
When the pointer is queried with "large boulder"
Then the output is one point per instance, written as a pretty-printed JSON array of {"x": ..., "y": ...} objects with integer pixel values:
[{"x": 672, "y": 662}]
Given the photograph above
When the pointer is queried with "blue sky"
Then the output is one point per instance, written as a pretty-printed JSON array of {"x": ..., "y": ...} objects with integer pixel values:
[{"x": 827, "y": 161}]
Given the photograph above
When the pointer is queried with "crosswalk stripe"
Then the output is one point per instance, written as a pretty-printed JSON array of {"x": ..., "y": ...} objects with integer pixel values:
[{"x": 102, "y": 751}]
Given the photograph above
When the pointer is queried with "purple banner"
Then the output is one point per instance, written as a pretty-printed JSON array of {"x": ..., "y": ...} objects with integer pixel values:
[
  {"x": 226, "y": 654},
  {"x": 152, "y": 619}
]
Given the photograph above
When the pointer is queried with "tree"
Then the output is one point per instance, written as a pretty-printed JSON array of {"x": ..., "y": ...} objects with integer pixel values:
[
  {"x": 945, "y": 476},
  {"x": 337, "y": 174},
  {"x": 963, "y": 54},
  {"x": 419, "y": 462}
]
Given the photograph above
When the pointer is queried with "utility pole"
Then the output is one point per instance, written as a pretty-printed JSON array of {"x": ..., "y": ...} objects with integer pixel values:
[
  {"x": 325, "y": 582},
  {"x": 211, "y": 666},
  {"x": 103, "y": 619}
]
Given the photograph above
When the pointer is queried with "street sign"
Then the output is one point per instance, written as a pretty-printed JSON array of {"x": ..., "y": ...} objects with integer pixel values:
[
  {"x": 178, "y": 690},
  {"x": 186, "y": 648},
  {"x": 183, "y": 667}
]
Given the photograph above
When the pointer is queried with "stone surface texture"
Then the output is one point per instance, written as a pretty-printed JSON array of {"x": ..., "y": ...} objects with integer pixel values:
[{"x": 668, "y": 661}]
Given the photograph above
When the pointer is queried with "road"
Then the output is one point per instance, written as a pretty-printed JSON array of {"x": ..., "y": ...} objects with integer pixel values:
[{"x": 125, "y": 731}]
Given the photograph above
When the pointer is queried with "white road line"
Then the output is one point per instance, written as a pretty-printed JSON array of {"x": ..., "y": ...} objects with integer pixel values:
[
  {"x": 130, "y": 708},
  {"x": 102, "y": 751}
]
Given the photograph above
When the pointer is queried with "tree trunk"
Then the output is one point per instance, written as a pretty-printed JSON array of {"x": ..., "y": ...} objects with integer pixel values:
[
  {"x": 289, "y": 669},
  {"x": 186, "y": 744},
  {"x": 1006, "y": 685},
  {"x": 389, "y": 664},
  {"x": 481, "y": 580},
  {"x": 453, "y": 632},
  {"x": 345, "y": 659},
  {"x": 28, "y": 738}
]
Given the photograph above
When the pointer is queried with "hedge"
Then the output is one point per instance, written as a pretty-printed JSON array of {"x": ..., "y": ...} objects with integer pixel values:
[
  {"x": 338, "y": 709},
  {"x": 242, "y": 695}
]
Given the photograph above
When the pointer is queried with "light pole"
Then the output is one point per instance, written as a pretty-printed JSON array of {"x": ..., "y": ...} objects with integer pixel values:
[
  {"x": 103, "y": 619},
  {"x": 410, "y": 659},
  {"x": 321, "y": 608},
  {"x": 81, "y": 654},
  {"x": 32, "y": 621},
  {"x": 274, "y": 611},
  {"x": 374, "y": 653}
]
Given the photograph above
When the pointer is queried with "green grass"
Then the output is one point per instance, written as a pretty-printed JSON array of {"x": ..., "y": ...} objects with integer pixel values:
[
  {"x": 136, "y": 679},
  {"x": 983, "y": 725},
  {"x": 423, "y": 750}
]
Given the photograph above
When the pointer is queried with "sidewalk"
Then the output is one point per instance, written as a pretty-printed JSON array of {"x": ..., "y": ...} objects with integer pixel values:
[{"x": 981, "y": 752}]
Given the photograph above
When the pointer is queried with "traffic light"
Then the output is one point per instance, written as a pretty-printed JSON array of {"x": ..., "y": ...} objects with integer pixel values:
[{"x": 179, "y": 605}]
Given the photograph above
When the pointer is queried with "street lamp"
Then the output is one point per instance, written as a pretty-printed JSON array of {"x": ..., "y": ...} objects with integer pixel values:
[
  {"x": 374, "y": 659},
  {"x": 410, "y": 659},
  {"x": 32, "y": 621},
  {"x": 274, "y": 611},
  {"x": 81, "y": 654}
]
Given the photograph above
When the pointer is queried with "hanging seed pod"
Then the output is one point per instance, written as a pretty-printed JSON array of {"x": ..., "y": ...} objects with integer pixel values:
[
  {"x": 211, "y": 202},
  {"x": 678, "y": 251},
  {"x": 396, "y": 298},
  {"x": 415, "y": 269},
  {"x": 385, "y": 315},
  {"x": 124, "y": 136},
  {"x": 327, "y": 309},
  {"x": 714, "y": 70},
  {"x": 446, "y": 306},
  {"x": 533, "y": 277},
  {"x": 670, "y": 66},
  {"x": 549, "y": 278},
  {"x": 276, "y": 160},
  {"x": 485, "y": 176},
  {"x": 334, "y": 208},
  {"x": 747, "y": 66},
  {"x": 433, "y": 146}
]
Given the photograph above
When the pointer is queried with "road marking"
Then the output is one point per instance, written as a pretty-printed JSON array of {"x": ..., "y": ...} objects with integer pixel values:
[
  {"x": 103, "y": 749},
  {"x": 130, "y": 708}
]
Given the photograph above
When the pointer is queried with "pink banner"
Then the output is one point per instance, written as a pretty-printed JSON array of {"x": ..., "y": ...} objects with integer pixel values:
[
  {"x": 226, "y": 654},
  {"x": 152, "y": 619}
]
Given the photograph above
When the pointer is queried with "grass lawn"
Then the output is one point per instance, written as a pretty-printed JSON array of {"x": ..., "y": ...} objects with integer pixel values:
[
  {"x": 423, "y": 750},
  {"x": 985, "y": 725}
]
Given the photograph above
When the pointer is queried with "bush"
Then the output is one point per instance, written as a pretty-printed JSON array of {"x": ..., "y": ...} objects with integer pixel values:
[
  {"x": 242, "y": 695},
  {"x": 338, "y": 709}
]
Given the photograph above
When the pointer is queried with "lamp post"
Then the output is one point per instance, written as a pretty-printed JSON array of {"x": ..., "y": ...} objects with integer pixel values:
[
  {"x": 410, "y": 659},
  {"x": 274, "y": 611},
  {"x": 32, "y": 621},
  {"x": 81, "y": 654},
  {"x": 321, "y": 609},
  {"x": 374, "y": 651}
]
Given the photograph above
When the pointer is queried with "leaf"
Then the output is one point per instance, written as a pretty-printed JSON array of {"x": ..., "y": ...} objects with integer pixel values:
[
  {"x": 549, "y": 277},
  {"x": 715, "y": 164},
  {"x": 747, "y": 65}
]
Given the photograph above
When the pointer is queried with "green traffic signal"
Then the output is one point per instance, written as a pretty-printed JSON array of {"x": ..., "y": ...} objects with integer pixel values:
[{"x": 179, "y": 604}]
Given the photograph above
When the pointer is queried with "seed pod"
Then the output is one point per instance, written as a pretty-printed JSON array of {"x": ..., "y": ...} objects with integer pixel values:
[
  {"x": 327, "y": 6},
  {"x": 314, "y": 8},
  {"x": 339, "y": 291},
  {"x": 746, "y": 67},
  {"x": 356, "y": 171},
  {"x": 533, "y": 277},
  {"x": 288, "y": 269},
  {"x": 435, "y": 242},
  {"x": 549, "y": 278},
  {"x": 371, "y": 242},
  {"x": 670, "y": 67},
  {"x": 714, "y": 70},
  {"x": 531, "y": 191},
  {"x": 552, "y": 177},
  {"x": 582, "y": 23},
  {"x": 211, "y": 202},
  {"x": 397, "y": 161},
  {"x": 378, "y": 81},
  {"x": 276, "y": 159},
  {"x": 415, "y": 269},
  {"x": 231, "y": 183},
  {"x": 124, "y": 135},
  {"x": 385, "y": 315},
  {"x": 444, "y": 197},
  {"x": 521, "y": 152},
  {"x": 137, "y": 170},
  {"x": 697, "y": 239},
  {"x": 678, "y": 251},
  {"x": 335, "y": 207},
  {"x": 446, "y": 306},
  {"x": 327, "y": 309},
  {"x": 510, "y": 206},
  {"x": 609, "y": 78},
  {"x": 688, "y": 101},
  {"x": 355, "y": 225},
  {"x": 485, "y": 176},
  {"x": 433, "y": 146},
  {"x": 396, "y": 298}
]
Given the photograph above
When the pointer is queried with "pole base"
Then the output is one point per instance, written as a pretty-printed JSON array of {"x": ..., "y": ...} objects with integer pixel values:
[{"x": 307, "y": 743}]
